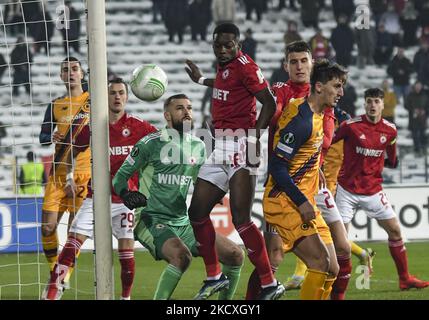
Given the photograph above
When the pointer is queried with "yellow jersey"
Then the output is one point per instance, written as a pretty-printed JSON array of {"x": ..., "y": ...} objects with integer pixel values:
[
  {"x": 296, "y": 154},
  {"x": 69, "y": 115}
]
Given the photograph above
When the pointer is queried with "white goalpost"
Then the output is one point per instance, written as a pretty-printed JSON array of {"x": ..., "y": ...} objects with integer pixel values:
[
  {"x": 35, "y": 25},
  {"x": 97, "y": 60}
]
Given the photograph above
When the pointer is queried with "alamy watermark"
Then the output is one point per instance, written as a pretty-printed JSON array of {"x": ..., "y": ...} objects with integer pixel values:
[{"x": 363, "y": 15}]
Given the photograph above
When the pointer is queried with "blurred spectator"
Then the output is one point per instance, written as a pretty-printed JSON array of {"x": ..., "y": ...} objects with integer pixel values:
[
  {"x": 400, "y": 69},
  {"x": 223, "y": 11},
  {"x": 343, "y": 7},
  {"x": 310, "y": 13},
  {"x": 3, "y": 134},
  {"x": 365, "y": 41},
  {"x": 254, "y": 5},
  {"x": 71, "y": 29},
  {"x": 320, "y": 46},
  {"x": 200, "y": 16},
  {"x": 29, "y": 8},
  {"x": 21, "y": 59},
  {"x": 13, "y": 17},
  {"x": 158, "y": 10},
  {"x": 282, "y": 5},
  {"x": 409, "y": 25},
  {"x": 342, "y": 40},
  {"x": 390, "y": 19},
  {"x": 249, "y": 44},
  {"x": 280, "y": 74},
  {"x": 424, "y": 37},
  {"x": 176, "y": 18},
  {"x": 32, "y": 176},
  {"x": 378, "y": 7},
  {"x": 3, "y": 67},
  {"x": 390, "y": 102},
  {"x": 417, "y": 104},
  {"x": 421, "y": 63},
  {"x": 348, "y": 100},
  {"x": 384, "y": 46},
  {"x": 41, "y": 29},
  {"x": 423, "y": 13},
  {"x": 291, "y": 33}
]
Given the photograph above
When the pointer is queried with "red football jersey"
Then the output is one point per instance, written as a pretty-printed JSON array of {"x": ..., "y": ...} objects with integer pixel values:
[
  {"x": 233, "y": 100},
  {"x": 123, "y": 135},
  {"x": 365, "y": 144}
]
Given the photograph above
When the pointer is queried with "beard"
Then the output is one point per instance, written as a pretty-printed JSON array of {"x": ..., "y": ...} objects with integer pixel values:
[{"x": 183, "y": 126}]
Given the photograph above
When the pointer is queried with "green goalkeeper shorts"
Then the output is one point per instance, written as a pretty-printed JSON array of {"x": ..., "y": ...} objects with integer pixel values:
[{"x": 153, "y": 237}]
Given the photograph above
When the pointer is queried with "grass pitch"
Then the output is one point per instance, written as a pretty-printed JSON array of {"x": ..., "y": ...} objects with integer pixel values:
[{"x": 32, "y": 274}]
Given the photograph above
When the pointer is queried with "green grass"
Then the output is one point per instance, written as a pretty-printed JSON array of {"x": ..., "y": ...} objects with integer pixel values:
[{"x": 34, "y": 272}]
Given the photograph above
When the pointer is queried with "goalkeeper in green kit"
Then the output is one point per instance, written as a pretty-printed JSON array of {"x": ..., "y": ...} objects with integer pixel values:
[{"x": 167, "y": 162}]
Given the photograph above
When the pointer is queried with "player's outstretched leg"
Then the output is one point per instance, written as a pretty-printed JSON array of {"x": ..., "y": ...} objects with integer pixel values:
[
  {"x": 242, "y": 188},
  {"x": 65, "y": 260}
]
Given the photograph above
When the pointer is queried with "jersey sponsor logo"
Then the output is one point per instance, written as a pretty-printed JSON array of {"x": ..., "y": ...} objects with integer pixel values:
[
  {"x": 225, "y": 74},
  {"x": 71, "y": 118},
  {"x": 369, "y": 152},
  {"x": 219, "y": 94},
  {"x": 289, "y": 138},
  {"x": 174, "y": 179},
  {"x": 383, "y": 139},
  {"x": 243, "y": 60},
  {"x": 126, "y": 132},
  {"x": 120, "y": 150}
]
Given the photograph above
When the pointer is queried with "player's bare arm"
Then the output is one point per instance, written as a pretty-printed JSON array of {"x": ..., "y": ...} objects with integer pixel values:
[
  {"x": 265, "y": 97},
  {"x": 195, "y": 74}
]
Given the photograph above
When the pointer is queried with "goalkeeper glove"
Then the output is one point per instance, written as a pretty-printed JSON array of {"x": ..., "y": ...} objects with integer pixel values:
[{"x": 133, "y": 199}]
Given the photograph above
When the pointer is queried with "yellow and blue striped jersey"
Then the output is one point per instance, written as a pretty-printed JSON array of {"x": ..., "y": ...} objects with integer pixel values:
[{"x": 294, "y": 165}]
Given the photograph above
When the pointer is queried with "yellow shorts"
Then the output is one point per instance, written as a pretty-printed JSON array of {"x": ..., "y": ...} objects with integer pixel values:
[
  {"x": 284, "y": 217},
  {"x": 55, "y": 199}
]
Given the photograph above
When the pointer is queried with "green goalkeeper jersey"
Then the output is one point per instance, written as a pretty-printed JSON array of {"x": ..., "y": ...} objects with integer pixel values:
[{"x": 167, "y": 163}]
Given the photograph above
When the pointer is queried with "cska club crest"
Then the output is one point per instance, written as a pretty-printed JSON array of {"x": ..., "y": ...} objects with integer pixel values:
[
  {"x": 225, "y": 74},
  {"x": 192, "y": 161},
  {"x": 126, "y": 132}
]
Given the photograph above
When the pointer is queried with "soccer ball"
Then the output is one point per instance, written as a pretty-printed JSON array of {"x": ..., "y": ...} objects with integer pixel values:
[{"x": 148, "y": 82}]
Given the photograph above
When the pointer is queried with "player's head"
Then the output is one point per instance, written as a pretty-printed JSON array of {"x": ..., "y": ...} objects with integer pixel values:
[
  {"x": 298, "y": 61},
  {"x": 178, "y": 112},
  {"x": 226, "y": 42},
  {"x": 327, "y": 81},
  {"x": 71, "y": 72},
  {"x": 374, "y": 103},
  {"x": 118, "y": 95}
]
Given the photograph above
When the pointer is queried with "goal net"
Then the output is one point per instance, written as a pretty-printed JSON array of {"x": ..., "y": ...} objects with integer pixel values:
[{"x": 35, "y": 36}]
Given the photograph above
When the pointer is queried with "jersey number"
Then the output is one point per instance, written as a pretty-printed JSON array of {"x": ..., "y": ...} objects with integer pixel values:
[
  {"x": 80, "y": 190},
  {"x": 127, "y": 220},
  {"x": 328, "y": 203}
]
